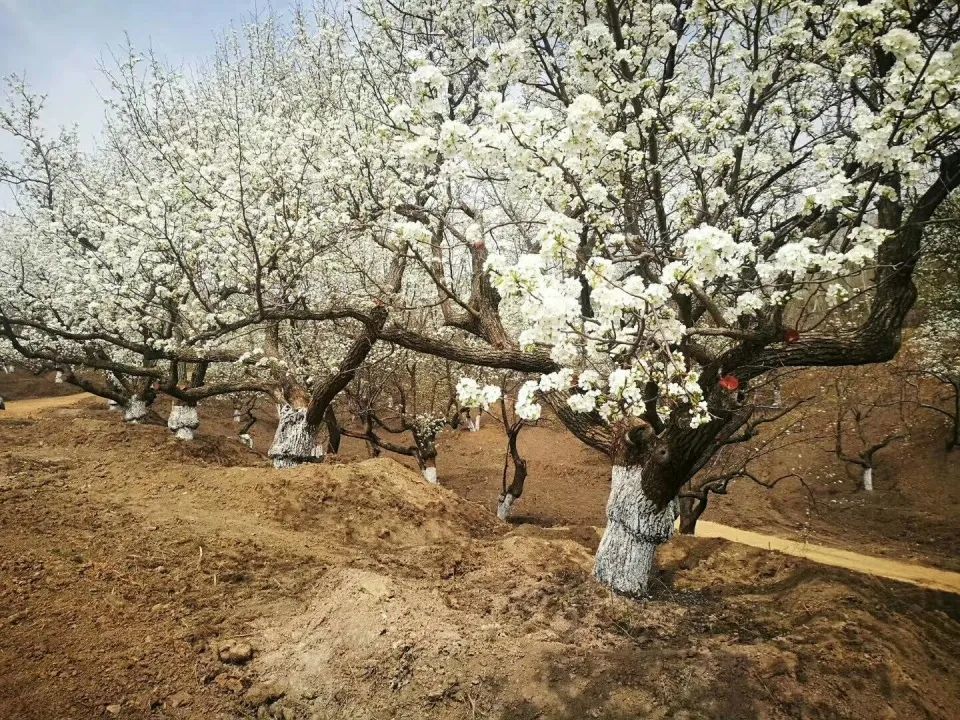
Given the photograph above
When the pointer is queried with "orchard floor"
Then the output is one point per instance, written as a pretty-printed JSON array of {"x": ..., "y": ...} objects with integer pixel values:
[
  {"x": 912, "y": 516},
  {"x": 143, "y": 577}
]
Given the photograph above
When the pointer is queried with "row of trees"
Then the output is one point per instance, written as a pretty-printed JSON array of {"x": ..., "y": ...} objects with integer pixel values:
[{"x": 641, "y": 210}]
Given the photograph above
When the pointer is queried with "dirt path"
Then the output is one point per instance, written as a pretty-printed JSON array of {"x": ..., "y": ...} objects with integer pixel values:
[
  {"x": 921, "y": 575},
  {"x": 24, "y": 408}
]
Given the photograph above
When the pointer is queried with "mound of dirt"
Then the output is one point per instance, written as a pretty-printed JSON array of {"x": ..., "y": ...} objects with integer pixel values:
[
  {"x": 378, "y": 501},
  {"x": 527, "y": 634}
]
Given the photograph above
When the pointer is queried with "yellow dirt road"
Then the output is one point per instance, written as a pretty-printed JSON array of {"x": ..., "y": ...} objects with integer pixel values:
[
  {"x": 921, "y": 575},
  {"x": 24, "y": 408}
]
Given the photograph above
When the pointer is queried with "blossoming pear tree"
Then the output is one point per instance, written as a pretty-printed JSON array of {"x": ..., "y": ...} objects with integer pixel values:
[
  {"x": 402, "y": 402},
  {"x": 203, "y": 233},
  {"x": 663, "y": 202},
  {"x": 475, "y": 397},
  {"x": 84, "y": 286},
  {"x": 645, "y": 207}
]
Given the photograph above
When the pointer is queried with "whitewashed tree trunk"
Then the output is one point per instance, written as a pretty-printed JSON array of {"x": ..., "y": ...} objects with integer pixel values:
[
  {"x": 635, "y": 528},
  {"x": 58, "y": 378},
  {"x": 506, "y": 504},
  {"x": 429, "y": 470},
  {"x": 474, "y": 423},
  {"x": 113, "y": 406},
  {"x": 236, "y": 416},
  {"x": 867, "y": 479},
  {"x": 247, "y": 440},
  {"x": 135, "y": 410},
  {"x": 295, "y": 442},
  {"x": 183, "y": 421}
]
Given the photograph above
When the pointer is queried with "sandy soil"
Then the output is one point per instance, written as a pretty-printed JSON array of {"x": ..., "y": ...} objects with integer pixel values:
[
  {"x": 21, "y": 385},
  {"x": 148, "y": 578},
  {"x": 33, "y": 406},
  {"x": 911, "y": 517},
  {"x": 928, "y": 577},
  {"x": 913, "y": 573}
]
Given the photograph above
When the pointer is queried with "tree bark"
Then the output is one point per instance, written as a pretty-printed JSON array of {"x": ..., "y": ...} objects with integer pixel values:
[
  {"x": 636, "y": 527},
  {"x": 473, "y": 423},
  {"x": 867, "y": 479},
  {"x": 512, "y": 492},
  {"x": 333, "y": 430},
  {"x": 506, "y": 503},
  {"x": 135, "y": 410},
  {"x": 183, "y": 421},
  {"x": 295, "y": 442},
  {"x": 955, "y": 439},
  {"x": 689, "y": 514}
]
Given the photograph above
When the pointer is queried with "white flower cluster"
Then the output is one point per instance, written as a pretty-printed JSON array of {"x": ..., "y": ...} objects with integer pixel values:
[
  {"x": 428, "y": 427},
  {"x": 472, "y": 395},
  {"x": 527, "y": 407}
]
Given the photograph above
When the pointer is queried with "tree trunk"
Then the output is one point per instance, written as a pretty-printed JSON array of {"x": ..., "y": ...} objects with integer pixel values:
[
  {"x": 247, "y": 440},
  {"x": 635, "y": 528},
  {"x": 956, "y": 417},
  {"x": 513, "y": 491},
  {"x": 689, "y": 515},
  {"x": 113, "y": 406},
  {"x": 473, "y": 423},
  {"x": 183, "y": 421},
  {"x": 295, "y": 441},
  {"x": 867, "y": 479},
  {"x": 430, "y": 471},
  {"x": 135, "y": 410},
  {"x": 333, "y": 430},
  {"x": 506, "y": 503}
]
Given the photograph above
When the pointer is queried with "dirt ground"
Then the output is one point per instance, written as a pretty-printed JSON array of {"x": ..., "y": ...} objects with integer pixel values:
[
  {"x": 144, "y": 577},
  {"x": 22, "y": 385},
  {"x": 911, "y": 516}
]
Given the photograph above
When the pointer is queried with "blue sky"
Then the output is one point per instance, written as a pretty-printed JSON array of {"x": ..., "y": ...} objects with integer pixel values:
[{"x": 58, "y": 44}]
